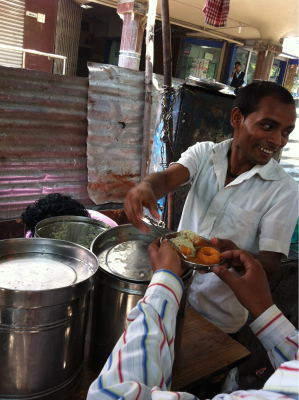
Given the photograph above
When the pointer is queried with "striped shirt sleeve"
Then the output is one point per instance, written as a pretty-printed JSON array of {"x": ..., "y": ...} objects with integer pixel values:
[
  {"x": 140, "y": 366},
  {"x": 278, "y": 336}
]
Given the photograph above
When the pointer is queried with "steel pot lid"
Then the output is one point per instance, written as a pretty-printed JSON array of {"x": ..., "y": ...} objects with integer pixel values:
[
  {"x": 44, "y": 272},
  {"x": 130, "y": 260},
  {"x": 79, "y": 230},
  {"x": 122, "y": 251}
]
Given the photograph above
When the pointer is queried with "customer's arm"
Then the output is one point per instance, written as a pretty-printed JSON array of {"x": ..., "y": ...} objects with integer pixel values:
[
  {"x": 140, "y": 366},
  {"x": 277, "y": 334}
]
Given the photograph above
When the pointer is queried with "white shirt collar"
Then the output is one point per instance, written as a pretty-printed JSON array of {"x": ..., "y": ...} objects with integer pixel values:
[{"x": 268, "y": 172}]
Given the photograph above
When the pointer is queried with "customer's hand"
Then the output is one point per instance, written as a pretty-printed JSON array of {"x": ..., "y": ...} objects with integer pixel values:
[
  {"x": 164, "y": 257},
  {"x": 224, "y": 244},
  {"x": 252, "y": 288}
]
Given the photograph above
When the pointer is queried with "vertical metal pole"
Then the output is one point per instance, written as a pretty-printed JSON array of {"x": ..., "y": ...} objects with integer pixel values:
[
  {"x": 149, "y": 63},
  {"x": 63, "y": 70},
  {"x": 167, "y": 63},
  {"x": 23, "y": 59},
  {"x": 166, "y": 39}
]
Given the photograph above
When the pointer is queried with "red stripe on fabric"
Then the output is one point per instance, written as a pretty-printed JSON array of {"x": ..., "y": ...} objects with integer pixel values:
[
  {"x": 166, "y": 287},
  {"x": 139, "y": 390},
  {"x": 296, "y": 356},
  {"x": 295, "y": 344},
  {"x": 164, "y": 338},
  {"x": 144, "y": 299},
  {"x": 130, "y": 320},
  {"x": 161, "y": 382},
  {"x": 177, "y": 395},
  {"x": 171, "y": 340},
  {"x": 119, "y": 366},
  {"x": 289, "y": 369},
  {"x": 125, "y": 332},
  {"x": 268, "y": 324}
]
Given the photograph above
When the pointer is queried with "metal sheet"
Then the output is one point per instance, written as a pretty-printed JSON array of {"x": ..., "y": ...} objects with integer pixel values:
[
  {"x": 43, "y": 131},
  {"x": 115, "y": 129},
  {"x": 12, "y": 16}
]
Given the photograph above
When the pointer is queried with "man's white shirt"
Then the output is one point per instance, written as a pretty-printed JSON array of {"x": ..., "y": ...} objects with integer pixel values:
[{"x": 257, "y": 211}]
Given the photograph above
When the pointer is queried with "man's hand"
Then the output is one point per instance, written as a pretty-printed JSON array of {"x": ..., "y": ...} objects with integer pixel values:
[
  {"x": 224, "y": 244},
  {"x": 252, "y": 289},
  {"x": 141, "y": 195},
  {"x": 164, "y": 257},
  {"x": 152, "y": 188}
]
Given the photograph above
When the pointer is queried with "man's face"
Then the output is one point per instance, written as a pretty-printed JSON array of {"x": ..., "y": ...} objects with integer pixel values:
[
  {"x": 264, "y": 131},
  {"x": 238, "y": 67}
]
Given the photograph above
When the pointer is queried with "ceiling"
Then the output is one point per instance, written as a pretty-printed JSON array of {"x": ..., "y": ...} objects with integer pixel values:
[{"x": 267, "y": 19}]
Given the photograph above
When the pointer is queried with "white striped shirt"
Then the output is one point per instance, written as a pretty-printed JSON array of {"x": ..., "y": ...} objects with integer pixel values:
[{"x": 140, "y": 366}]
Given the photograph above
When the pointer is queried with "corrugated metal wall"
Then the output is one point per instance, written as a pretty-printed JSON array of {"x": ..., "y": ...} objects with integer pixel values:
[
  {"x": 67, "y": 35},
  {"x": 12, "y": 16},
  {"x": 43, "y": 130},
  {"x": 115, "y": 129}
]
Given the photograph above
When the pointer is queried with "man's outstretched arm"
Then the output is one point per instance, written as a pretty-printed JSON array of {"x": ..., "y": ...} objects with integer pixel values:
[{"x": 152, "y": 188}]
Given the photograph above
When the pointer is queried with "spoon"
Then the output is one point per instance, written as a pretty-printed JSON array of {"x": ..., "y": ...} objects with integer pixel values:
[{"x": 160, "y": 233}]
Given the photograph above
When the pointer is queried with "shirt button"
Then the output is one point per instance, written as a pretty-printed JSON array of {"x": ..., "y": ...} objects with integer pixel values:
[{"x": 212, "y": 214}]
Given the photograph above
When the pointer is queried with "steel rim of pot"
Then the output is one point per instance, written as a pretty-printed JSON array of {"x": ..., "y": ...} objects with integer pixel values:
[{"x": 48, "y": 297}]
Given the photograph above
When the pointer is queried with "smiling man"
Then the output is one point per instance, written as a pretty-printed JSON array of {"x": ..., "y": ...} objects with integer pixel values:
[{"x": 240, "y": 196}]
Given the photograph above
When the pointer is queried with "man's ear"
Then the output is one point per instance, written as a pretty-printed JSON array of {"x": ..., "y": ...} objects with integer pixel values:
[{"x": 236, "y": 118}]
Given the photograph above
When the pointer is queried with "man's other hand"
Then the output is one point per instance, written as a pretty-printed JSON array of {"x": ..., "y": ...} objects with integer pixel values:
[
  {"x": 224, "y": 244},
  {"x": 252, "y": 288},
  {"x": 141, "y": 195},
  {"x": 164, "y": 257}
]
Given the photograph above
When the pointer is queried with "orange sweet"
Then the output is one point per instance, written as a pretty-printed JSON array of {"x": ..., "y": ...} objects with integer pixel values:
[{"x": 208, "y": 256}]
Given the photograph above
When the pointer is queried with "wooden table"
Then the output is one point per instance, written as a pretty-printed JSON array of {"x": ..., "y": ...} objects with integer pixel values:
[{"x": 205, "y": 352}]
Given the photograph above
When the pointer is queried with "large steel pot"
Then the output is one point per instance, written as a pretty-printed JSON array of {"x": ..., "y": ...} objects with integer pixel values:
[
  {"x": 42, "y": 332},
  {"x": 75, "y": 229},
  {"x": 115, "y": 296}
]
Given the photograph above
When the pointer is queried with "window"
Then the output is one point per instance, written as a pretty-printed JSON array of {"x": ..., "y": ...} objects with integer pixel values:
[
  {"x": 200, "y": 59},
  {"x": 251, "y": 67}
]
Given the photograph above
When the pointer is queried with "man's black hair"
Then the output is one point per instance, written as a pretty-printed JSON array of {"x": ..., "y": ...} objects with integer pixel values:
[
  {"x": 52, "y": 205},
  {"x": 237, "y": 63},
  {"x": 248, "y": 98}
]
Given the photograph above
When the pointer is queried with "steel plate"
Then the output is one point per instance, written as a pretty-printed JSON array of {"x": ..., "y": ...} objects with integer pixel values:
[
  {"x": 206, "y": 83},
  {"x": 191, "y": 265}
]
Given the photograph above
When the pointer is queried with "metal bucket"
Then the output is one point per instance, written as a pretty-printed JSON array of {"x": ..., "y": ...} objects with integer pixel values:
[
  {"x": 79, "y": 230},
  {"x": 114, "y": 297},
  {"x": 42, "y": 332}
]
